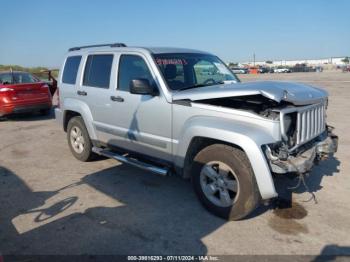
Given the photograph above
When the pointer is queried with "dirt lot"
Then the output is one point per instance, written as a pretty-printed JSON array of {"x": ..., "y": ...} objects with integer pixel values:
[{"x": 52, "y": 204}]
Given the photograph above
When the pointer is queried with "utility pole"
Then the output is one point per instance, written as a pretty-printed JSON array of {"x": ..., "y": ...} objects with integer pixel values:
[{"x": 254, "y": 58}]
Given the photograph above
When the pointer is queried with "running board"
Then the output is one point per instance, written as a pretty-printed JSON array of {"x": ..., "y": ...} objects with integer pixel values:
[{"x": 131, "y": 161}]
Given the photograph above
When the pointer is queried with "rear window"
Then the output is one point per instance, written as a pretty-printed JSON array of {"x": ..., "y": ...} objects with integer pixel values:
[
  {"x": 71, "y": 70},
  {"x": 24, "y": 78},
  {"x": 17, "y": 78},
  {"x": 6, "y": 78},
  {"x": 97, "y": 71}
]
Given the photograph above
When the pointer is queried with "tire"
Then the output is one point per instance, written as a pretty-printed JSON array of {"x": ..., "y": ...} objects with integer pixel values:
[
  {"x": 235, "y": 173},
  {"x": 76, "y": 131}
]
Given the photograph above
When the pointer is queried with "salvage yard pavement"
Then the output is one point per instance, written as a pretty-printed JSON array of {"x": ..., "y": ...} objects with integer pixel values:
[{"x": 50, "y": 203}]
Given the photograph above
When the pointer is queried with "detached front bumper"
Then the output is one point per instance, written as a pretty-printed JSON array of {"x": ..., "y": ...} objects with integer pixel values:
[{"x": 302, "y": 162}]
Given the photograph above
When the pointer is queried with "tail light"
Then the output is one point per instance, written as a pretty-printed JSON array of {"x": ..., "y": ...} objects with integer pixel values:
[
  {"x": 47, "y": 89},
  {"x": 6, "y": 89},
  {"x": 45, "y": 86}
]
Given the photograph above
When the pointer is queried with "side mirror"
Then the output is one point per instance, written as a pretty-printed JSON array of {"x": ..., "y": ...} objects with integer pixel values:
[{"x": 142, "y": 86}]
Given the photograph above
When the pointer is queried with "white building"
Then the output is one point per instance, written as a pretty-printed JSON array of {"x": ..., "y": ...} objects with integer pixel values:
[{"x": 311, "y": 62}]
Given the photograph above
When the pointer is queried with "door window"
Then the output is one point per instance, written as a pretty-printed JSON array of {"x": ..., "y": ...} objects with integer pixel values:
[
  {"x": 97, "y": 71},
  {"x": 132, "y": 67}
]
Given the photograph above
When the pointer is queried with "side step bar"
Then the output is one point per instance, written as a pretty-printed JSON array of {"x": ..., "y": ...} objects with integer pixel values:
[{"x": 131, "y": 161}]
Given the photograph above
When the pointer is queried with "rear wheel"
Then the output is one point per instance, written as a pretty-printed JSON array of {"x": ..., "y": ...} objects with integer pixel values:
[
  {"x": 79, "y": 140},
  {"x": 224, "y": 181}
]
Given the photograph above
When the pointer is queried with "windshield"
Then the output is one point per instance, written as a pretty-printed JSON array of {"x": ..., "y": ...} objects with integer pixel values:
[{"x": 191, "y": 70}]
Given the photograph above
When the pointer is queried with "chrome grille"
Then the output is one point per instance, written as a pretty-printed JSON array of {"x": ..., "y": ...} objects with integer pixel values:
[{"x": 310, "y": 123}]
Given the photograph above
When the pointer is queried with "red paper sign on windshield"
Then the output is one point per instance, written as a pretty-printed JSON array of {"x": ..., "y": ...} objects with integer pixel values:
[{"x": 173, "y": 61}]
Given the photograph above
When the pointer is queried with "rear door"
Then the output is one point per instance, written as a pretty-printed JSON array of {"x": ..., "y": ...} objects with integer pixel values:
[
  {"x": 70, "y": 77},
  {"x": 95, "y": 85}
]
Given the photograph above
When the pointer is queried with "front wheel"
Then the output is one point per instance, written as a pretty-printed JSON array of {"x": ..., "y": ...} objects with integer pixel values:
[
  {"x": 224, "y": 181},
  {"x": 78, "y": 139}
]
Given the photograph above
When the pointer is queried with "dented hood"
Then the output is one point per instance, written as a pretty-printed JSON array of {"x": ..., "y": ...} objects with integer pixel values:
[{"x": 296, "y": 93}]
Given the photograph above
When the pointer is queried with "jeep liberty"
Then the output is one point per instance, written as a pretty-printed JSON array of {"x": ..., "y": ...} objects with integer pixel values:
[{"x": 181, "y": 111}]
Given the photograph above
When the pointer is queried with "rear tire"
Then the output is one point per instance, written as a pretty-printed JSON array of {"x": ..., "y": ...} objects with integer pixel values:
[
  {"x": 224, "y": 181},
  {"x": 78, "y": 139}
]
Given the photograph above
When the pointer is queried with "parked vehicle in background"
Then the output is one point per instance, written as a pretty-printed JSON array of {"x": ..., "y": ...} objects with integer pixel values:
[
  {"x": 22, "y": 92},
  {"x": 282, "y": 70},
  {"x": 305, "y": 68},
  {"x": 319, "y": 69},
  {"x": 263, "y": 70},
  {"x": 346, "y": 68},
  {"x": 155, "y": 109},
  {"x": 239, "y": 70}
]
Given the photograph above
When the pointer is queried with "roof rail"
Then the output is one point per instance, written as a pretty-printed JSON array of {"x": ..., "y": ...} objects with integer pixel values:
[{"x": 88, "y": 46}]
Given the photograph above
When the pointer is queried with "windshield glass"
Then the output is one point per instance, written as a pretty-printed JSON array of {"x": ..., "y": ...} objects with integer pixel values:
[{"x": 191, "y": 70}]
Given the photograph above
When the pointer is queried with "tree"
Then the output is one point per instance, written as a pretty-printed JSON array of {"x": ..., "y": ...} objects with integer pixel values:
[
  {"x": 345, "y": 60},
  {"x": 269, "y": 62}
]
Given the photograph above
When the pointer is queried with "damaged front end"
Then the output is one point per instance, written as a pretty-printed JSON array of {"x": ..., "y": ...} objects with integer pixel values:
[
  {"x": 300, "y": 160},
  {"x": 299, "y": 109},
  {"x": 306, "y": 139}
]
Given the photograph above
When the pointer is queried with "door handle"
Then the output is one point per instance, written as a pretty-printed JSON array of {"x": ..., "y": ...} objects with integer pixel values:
[
  {"x": 81, "y": 93},
  {"x": 117, "y": 98}
]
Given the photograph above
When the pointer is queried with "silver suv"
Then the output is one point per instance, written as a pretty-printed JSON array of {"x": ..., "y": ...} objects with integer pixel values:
[{"x": 181, "y": 111}]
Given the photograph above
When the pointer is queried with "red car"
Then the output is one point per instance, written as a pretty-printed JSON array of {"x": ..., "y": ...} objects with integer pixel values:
[{"x": 21, "y": 92}]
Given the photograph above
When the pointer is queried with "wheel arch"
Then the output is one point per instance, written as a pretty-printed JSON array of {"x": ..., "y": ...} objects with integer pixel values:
[
  {"x": 249, "y": 139},
  {"x": 74, "y": 107}
]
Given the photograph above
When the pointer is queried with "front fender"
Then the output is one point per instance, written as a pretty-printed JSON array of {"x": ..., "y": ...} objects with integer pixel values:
[
  {"x": 83, "y": 109},
  {"x": 248, "y": 136}
]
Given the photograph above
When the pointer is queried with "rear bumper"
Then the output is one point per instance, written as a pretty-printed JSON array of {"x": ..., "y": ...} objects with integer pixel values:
[
  {"x": 304, "y": 161},
  {"x": 17, "y": 109}
]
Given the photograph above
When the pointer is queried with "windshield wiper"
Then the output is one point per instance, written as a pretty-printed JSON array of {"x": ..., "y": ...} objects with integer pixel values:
[
  {"x": 200, "y": 85},
  {"x": 190, "y": 87}
]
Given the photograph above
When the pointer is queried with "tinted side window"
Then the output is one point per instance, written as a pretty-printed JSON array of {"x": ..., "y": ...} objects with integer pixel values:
[
  {"x": 71, "y": 69},
  {"x": 97, "y": 71},
  {"x": 132, "y": 67}
]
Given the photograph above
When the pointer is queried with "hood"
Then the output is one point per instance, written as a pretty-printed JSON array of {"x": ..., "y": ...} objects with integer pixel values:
[{"x": 295, "y": 93}]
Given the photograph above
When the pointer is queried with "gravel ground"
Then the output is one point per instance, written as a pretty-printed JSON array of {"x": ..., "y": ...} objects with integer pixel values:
[{"x": 51, "y": 203}]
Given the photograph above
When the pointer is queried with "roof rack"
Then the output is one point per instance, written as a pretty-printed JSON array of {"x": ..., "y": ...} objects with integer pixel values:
[{"x": 88, "y": 46}]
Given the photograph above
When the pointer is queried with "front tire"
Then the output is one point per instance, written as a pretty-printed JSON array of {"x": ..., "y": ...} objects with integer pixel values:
[
  {"x": 224, "y": 181},
  {"x": 78, "y": 139}
]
